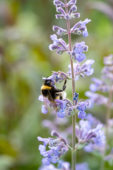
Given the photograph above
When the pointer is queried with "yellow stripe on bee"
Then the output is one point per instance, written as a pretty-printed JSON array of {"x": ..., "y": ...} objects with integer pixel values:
[
  {"x": 44, "y": 87},
  {"x": 57, "y": 97}
]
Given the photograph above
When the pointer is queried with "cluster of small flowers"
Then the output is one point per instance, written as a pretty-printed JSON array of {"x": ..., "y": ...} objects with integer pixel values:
[
  {"x": 57, "y": 147},
  {"x": 89, "y": 133},
  {"x": 65, "y": 166},
  {"x": 101, "y": 93},
  {"x": 103, "y": 85}
]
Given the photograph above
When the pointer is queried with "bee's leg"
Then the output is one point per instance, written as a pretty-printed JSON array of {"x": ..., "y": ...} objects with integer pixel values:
[
  {"x": 59, "y": 96},
  {"x": 64, "y": 86}
]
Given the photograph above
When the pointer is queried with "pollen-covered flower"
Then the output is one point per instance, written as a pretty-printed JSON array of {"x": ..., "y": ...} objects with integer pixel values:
[
  {"x": 78, "y": 51},
  {"x": 52, "y": 149}
]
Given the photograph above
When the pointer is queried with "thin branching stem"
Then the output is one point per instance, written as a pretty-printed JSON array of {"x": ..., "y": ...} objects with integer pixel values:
[{"x": 73, "y": 91}]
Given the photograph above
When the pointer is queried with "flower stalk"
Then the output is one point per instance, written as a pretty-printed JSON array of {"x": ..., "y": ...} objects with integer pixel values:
[
  {"x": 73, "y": 92},
  {"x": 83, "y": 133}
]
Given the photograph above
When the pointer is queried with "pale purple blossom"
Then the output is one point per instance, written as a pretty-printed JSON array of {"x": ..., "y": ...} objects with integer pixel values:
[
  {"x": 59, "y": 31},
  {"x": 52, "y": 149},
  {"x": 92, "y": 136},
  {"x": 65, "y": 166},
  {"x": 58, "y": 77},
  {"x": 64, "y": 108},
  {"x": 78, "y": 51},
  {"x": 99, "y": 85},
  {"x": 82, "y": 70},
  {"x": 81, "y": 107},
  {"x": 108, "y": 60},
  {"x": 58, "y": 44},
  {"x": 82, "y": 166},
  {"x": 80, "y": 27},
  {"x": 97, "y": 98}
]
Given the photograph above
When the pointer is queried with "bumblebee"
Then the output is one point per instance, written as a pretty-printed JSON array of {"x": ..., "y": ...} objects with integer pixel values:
[{"x": 50, "y": 91}]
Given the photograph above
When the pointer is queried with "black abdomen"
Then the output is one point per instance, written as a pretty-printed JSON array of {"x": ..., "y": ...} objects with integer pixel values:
[
  {"x": 45, "y": 93},
  {"x": 50, "y": 94}
]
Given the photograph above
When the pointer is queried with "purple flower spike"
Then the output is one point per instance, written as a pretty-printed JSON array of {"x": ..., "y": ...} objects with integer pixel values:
[
  {"x": 78, "y": 51},
  {"x": 58, "y": 44}
]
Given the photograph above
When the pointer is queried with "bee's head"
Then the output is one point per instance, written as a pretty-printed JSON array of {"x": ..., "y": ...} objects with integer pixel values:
[{"x": 48, "y": 82}]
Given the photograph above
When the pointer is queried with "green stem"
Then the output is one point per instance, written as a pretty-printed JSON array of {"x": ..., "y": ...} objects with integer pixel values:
[{"x": 73, "y": 91}]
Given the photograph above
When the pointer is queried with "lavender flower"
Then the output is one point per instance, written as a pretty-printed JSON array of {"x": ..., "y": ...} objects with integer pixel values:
[
  {"x": 108, "y": 60},
  {"x": 78, "y": 51},
  {"x": 82, "y": 166},
  {"x": 99, "y": 85},
  {"x": 46, "y": 104},
  {"x": 82, "y": 70},
  {"x": 58, "y": 44},
  {"x": 58, "y": 77},
  {"x": 104, "y": 84},
  {"x": 80, "y": 28},
  {"x": 86, "y": 133},
  {"x": 81, "y": 107},
  {"x": 53, "y": 148},
  {"x": 97, "y": 98},
  {"x": 56, "y": 148},
  {"x": 60, "y": 31},
  {"x": 65, "y": 166},
  {"x": 62, "y": 13}
]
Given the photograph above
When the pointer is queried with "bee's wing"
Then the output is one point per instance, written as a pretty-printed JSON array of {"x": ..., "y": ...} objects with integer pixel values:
[{"x": 50, "y": 96}]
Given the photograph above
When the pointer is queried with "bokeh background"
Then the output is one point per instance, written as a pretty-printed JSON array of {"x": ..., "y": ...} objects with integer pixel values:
[{"x": 25, "y": 28}]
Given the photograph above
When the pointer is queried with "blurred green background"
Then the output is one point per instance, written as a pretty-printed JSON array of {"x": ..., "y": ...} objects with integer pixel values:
[{"x": 25, "y": 28}]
